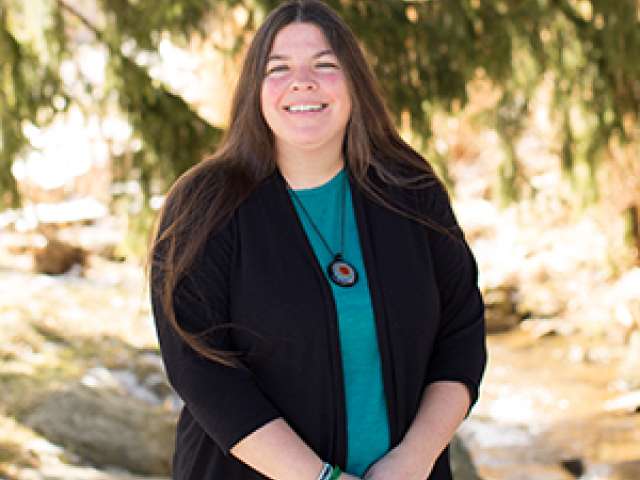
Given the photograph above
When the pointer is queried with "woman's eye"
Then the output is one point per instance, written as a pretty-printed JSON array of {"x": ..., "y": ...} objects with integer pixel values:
[
  {"x": 279, "y": 68},
  {"x": 326, "y": 65}
]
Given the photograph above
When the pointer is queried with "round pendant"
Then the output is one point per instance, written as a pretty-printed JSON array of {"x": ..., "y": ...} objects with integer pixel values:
[{"x": 342, "y": 273}]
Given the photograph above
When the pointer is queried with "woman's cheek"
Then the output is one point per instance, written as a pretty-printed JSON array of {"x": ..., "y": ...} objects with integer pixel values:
[
  {"x": 273, "y": 86},
  {"x": 333, "y": 80},
  {"x": 332, "y": 77}
]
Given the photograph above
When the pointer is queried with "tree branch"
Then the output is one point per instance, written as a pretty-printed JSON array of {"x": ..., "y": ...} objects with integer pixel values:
[
  {"x": 84, "y": 20},
  {"x": 571, "y": 14}
]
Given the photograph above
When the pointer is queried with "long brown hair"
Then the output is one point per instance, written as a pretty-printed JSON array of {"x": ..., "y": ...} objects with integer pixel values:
[{"x": 205, "y": 197}]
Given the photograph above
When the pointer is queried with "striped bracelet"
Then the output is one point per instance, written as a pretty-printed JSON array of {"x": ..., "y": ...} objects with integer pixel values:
[
  {"x": 325, "y": 473},
  {"x": 329, "y": 473}
]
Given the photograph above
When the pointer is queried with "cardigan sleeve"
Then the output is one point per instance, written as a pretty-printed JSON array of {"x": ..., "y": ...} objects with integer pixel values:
[
  {"x": 460, "y": 345},
  {"x": 226, "y": 402}
]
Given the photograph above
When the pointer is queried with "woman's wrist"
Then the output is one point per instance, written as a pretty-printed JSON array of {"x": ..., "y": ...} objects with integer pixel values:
[
  {"x": 411, "y": 452},
  {"x": 325, "y": 472},
  {"x": 329, "y": 472}
]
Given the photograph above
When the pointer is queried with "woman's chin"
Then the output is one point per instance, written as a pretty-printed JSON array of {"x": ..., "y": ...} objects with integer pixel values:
[{"x": 308, "y": 143}]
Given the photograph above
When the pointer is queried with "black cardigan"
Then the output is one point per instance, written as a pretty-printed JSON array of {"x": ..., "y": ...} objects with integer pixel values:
[{"x": 259, "y": 271}]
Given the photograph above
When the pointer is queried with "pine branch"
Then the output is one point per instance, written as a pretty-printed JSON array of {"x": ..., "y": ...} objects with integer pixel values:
[
  {"x": 131, "y": 65},
  {"x": 568, "y": 11},
  {"x": 84, "y": 20}
]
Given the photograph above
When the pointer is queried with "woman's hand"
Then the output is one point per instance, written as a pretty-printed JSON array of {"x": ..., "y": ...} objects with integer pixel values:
[
  {"x": 399, "y": 463},
  {"x": 346, "y": 476}
]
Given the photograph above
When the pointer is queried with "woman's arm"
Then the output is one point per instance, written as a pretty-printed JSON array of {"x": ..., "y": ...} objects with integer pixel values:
[
  {"x": 442, "y": 409},
  {"x": 276, "y": 451}
]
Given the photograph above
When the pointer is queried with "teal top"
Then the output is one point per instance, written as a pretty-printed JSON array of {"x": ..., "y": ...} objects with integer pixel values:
[{"x": 367, "y": 423}]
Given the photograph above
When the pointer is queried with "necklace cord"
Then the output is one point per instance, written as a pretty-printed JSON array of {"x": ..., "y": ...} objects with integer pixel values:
[
  {"x": 339, "y": 270},
  {"x": 340, "y": 252}
]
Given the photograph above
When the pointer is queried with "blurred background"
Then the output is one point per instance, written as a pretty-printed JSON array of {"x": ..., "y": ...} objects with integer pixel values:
[{"x": 528, "y": 109}]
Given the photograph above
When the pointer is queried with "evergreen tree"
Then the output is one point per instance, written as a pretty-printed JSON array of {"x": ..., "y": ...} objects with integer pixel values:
[{"x": 423, "y": 52}]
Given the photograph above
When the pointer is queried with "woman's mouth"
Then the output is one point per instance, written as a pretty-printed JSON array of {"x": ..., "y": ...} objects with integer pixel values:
[{"x": 306, "y": 107}]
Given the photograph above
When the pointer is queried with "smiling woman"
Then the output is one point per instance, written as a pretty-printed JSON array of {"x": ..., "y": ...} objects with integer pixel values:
[{"x": 315, "y": 299}]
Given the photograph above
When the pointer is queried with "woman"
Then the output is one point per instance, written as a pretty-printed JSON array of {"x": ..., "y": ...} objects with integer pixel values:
[{"x": 315, "y": 299}]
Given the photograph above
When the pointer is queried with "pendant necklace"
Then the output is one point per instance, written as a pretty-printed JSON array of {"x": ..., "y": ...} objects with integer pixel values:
[{"x": 340, "y": 271}]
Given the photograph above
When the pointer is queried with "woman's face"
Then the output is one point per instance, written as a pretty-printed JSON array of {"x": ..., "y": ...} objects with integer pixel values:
[{"x": 304, "y": 95}]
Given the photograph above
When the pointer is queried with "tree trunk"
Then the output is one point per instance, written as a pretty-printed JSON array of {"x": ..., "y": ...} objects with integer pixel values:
[{"x": 632, "y": 229}]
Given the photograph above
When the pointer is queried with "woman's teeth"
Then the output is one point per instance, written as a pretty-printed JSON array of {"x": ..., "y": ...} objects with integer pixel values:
[{"x": 306, "y": 108}]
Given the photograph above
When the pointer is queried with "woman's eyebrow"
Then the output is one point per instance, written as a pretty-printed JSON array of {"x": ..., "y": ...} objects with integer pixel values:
[{"x": 286, "y": 57}]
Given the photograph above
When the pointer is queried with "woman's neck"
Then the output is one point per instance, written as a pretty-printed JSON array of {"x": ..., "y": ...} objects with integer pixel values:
[{"x": 308, "y": 169}]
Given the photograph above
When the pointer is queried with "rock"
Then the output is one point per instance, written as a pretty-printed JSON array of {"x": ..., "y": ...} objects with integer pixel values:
[
  {"x": 629, "y": 470},
  {"x": 125, "y": 382},
  {"x": 57, "y": 257},
  {"x": 625, "y": 470},
  {"x": 629, "y": 403},
  {"x": 143, "y": 379},
  {"x": 601, "y": 354},
  {"x": 575, "y": 466},
  {"x": 541, "y": 300},
  {"x": 576, "y": 354},
  {"x": 539, "y": 328},
  {"x": 107, "y": 428},
  {"x": 462, "y": 466},
  {"x": 500, "y": 308},
  {"x": 629, "y": 368}
]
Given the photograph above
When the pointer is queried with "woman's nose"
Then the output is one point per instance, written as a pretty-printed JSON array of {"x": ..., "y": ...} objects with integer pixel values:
[
  {"x": 303, "y": 81},
  {"x": 303, "y": 85}
]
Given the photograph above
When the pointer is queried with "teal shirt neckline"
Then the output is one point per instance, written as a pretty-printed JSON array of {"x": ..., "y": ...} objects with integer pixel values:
[
  {"x": 366, "y": 412},
  {"x": 331, "y": 183}
]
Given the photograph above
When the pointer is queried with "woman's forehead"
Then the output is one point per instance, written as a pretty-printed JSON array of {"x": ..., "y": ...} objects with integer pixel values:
[{"x": 299, "y": 39}]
